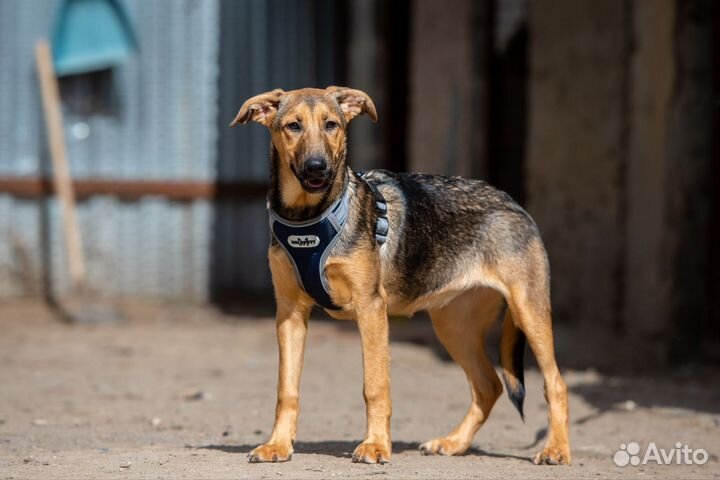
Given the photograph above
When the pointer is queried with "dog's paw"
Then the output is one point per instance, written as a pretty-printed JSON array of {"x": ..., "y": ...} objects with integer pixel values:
[
  {"x": 444, "y": 446},
  {"x": 271, "y": 452},
  {"x": 553, "y": 455},
  {"x": 368, "y": 452}
]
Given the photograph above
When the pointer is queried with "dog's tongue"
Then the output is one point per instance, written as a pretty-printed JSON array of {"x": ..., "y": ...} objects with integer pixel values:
[{"x": 316, "y": 183}]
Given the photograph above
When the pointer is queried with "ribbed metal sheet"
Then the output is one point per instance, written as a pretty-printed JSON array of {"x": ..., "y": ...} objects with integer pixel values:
[
  {"x": 161, "y": 126},
  {"x": 160, "y": 122},
  {"x": 151, "y": 248},
  {"x": 21, "y": 249}
]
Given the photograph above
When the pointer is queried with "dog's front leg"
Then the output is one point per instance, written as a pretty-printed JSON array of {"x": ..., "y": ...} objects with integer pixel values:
[
  {"x": 291, "y": 332},
  {"x": 373, "y": 326}
]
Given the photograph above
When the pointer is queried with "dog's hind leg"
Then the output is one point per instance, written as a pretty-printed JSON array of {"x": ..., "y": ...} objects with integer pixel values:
[
  {"x": 461, "y": 327},
  {"x": 528, "y": 297}
]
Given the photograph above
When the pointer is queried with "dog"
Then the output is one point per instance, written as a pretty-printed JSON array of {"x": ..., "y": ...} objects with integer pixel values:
[{"x": 363, "y": 246}]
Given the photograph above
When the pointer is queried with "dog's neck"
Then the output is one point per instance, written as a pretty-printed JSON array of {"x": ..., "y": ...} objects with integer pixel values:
[{"x": 287, "y": 197}]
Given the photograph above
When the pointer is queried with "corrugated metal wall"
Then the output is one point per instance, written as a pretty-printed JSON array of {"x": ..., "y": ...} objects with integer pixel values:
[
  {"x": 162, "y": 126},
  {"x": 165, "y": 109}
]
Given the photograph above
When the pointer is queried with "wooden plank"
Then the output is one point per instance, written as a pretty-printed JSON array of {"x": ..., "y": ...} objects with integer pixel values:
[{"x": 62, "y": 180}]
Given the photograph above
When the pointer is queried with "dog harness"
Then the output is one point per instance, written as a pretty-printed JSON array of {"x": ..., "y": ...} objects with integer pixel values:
[{"x": 309, "y": 243}]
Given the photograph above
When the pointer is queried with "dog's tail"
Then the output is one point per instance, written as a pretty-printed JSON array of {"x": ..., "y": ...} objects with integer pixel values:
[{"x": 512, "y": 354}]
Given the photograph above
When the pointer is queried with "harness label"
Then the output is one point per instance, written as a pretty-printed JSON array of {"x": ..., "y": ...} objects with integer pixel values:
[{"x": 303, "y": 241}]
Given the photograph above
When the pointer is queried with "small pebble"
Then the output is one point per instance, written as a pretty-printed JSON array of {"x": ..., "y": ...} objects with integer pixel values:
[
  {"x": 40, "y": 422},
  {"x": 628, "y": 406},
  {"x": 125, "y": 465},
  {"x": 197, "y": 395}
]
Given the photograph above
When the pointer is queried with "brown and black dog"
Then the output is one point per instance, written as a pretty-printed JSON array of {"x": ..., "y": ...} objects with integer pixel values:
[{"x": 458, "y": 248}]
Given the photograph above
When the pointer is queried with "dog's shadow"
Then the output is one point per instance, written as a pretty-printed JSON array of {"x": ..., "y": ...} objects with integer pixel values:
[
  {"x": 344, "y": 449},
  {"x": 335, "y": 448}
]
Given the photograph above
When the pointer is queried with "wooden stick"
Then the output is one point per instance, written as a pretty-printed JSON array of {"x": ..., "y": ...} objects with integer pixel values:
[{"x": 61, "y": 170}]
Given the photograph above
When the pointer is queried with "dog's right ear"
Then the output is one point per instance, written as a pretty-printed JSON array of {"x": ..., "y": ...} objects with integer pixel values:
[{"x": 260, "y": 108}]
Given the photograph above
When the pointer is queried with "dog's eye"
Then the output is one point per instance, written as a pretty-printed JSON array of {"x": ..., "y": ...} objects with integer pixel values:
[
  {"x": 293, "y": 126},
  {"x": 330, "y": 125}
]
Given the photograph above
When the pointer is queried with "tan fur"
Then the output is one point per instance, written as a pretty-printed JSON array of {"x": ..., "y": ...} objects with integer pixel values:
[
  {"x": 289, "y": 147},
  {"x": 461, "y": 326},
  {"x": 461, "y": 311}
]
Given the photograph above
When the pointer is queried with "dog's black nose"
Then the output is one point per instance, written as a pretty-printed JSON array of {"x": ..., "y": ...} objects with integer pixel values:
[{"x": 315, "y": 165}]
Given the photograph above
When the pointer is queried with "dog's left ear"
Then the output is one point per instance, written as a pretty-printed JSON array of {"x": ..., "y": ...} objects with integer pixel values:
[
  {"x": 353, "y": 102},
  {"x": 260, "y": 108}
]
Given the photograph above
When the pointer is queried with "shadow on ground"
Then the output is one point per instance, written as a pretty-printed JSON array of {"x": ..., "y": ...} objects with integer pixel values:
[
  {"x": 344, "y": 449},
  {"x": 335, "y": 448},
  {"x": 698, "y": 392}
]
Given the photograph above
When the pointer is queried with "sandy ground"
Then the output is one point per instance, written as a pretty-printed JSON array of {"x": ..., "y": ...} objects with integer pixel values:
[{"x": 186, "y": 393}]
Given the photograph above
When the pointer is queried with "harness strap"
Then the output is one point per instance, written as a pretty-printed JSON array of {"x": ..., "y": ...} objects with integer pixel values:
[
  {"x": 309, "y": 243},
  {"x": 381, "y": 226}
]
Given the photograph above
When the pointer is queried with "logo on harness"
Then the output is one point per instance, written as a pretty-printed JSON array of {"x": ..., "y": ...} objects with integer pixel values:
[{"x": 303, "y": 241}]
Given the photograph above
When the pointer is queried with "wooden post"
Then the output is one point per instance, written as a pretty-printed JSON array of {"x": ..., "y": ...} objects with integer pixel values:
[{"x": 61, "y": 169}]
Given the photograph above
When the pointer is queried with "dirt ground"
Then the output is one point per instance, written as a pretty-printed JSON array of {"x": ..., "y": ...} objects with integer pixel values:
[{"x": 182, "y": 392}]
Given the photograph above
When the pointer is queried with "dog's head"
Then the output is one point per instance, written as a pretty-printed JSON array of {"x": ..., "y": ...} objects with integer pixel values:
[{"x": 308, "y": 129}]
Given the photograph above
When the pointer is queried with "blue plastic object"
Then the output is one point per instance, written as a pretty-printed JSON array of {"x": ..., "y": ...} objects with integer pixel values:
[{"x": 91, "y": 35}]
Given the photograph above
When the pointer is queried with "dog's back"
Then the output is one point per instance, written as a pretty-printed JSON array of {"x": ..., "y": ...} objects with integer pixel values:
[{"x": 445, "y": 228}]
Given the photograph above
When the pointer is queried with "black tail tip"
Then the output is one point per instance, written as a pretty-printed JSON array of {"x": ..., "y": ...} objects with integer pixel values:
[{"x": 517, "y": 397}]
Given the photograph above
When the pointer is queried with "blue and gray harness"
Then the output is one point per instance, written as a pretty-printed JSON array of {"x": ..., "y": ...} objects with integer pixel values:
[{"x": 309, "y": 243}]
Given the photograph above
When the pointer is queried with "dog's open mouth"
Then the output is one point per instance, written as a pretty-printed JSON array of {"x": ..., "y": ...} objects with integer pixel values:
[{"x": 315, "y": 184}]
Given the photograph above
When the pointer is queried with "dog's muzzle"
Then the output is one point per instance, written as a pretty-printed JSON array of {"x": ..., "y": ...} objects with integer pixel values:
[{"x": 315, "y": 174}]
